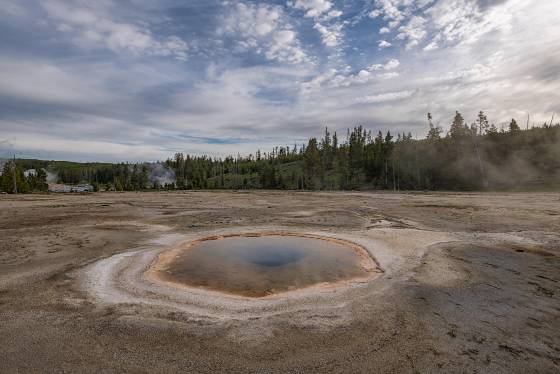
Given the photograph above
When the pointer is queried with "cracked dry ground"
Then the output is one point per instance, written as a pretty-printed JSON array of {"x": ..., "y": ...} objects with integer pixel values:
[{"x": 487, "y": 300}]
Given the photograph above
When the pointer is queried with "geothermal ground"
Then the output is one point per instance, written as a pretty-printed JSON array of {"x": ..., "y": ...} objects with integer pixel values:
[{"x": 463, "y": 283}]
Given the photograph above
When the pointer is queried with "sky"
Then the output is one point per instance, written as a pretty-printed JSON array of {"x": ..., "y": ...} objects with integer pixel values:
[{"x": 138, "y": 80}]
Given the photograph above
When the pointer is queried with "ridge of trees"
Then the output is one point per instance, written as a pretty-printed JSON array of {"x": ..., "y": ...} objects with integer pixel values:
[
  {"x": 469, "y": 157},
  {"x": 473, "y": 156}
]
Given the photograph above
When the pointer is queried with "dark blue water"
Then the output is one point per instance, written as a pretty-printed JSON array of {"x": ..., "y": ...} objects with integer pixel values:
[{"x": 270, "y": 256}]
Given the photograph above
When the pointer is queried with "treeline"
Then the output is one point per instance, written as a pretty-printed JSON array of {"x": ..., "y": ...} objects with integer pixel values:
[
  {"x": 117, "y": 177},
  {"x": 475, "y": 156},
  {"x": 469, "y": 157},
  {"x": 102, "y": 176}
]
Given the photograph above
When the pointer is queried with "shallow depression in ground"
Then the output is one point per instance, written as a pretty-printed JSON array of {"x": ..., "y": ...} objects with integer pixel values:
[{"x": 258, "y": 266}]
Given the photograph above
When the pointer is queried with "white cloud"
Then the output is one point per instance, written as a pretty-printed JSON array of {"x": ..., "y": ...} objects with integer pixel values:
[
  {"x": 463, "y": 21},
  {"x": 393, "y": 10},
  {"x": 285, "y": 47},
  {"x": 385, "y": 97},
  {"x": 432, "y": 46},
  {"x": 264, "y": 29},
  {"x": 91, "y": 27},
  {"x": 374, "y": 13},
  {"x": 384, "y": 44},
  {"x": 388, "y": 75},
  {"x": 498, "y": 58},
  {"x": 389, "y": 65},
  {"x": 322, "y": 12},
  {"x": 396, "y": 12},
  {"x": 413, "y": 32},
  {"x": 46, "y": 83},
  {"x": 446, "y": 22},
  {"x": 252, "y": 20},
  {"x": 392, "y": 64},
  {"x": 334, "y": 14},
  {"x": 334, "y": 78},
  {"x": 330, "y": 35},
  {"x": 313, "y": 8}
]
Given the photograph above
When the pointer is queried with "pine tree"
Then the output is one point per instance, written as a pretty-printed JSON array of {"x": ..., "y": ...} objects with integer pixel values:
[
  {"x": 458, "y": 128},
  {"x": 326, "y": 151},
  {"x": 492, "y": 130},
  {"x": 513, "y": 126},
  {"x": 312, "y": 163}
]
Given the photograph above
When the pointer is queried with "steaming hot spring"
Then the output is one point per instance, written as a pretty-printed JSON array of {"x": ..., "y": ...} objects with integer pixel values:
[{"x": 233, "y": 274}]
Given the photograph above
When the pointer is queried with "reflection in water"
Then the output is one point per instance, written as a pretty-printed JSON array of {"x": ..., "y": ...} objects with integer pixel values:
[{"x": 259, "y": 266}]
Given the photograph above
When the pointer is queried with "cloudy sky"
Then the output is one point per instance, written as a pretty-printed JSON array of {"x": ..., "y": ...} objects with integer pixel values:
[{"x": 139, "y": 79}]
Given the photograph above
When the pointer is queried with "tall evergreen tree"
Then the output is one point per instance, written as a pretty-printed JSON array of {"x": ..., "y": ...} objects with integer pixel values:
[
  {"x": 458, "y": 128},
  {"x": 513, "y": 126},
  {"x": 312, "y": 162}
]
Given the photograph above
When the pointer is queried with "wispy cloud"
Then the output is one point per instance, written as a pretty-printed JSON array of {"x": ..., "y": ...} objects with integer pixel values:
[
  {"x": 385, "y": 97},
  {"x": 103, "y": 80},
  {"x": 263, "y": 29},
  {"x": 89, "y": 26}
]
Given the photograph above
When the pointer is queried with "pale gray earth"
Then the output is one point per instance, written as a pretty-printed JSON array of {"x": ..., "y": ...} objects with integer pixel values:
[{"x": 470, "y": 283}]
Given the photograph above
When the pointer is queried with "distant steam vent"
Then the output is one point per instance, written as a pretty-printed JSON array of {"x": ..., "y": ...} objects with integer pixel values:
[{"x": 160, "y": 174}]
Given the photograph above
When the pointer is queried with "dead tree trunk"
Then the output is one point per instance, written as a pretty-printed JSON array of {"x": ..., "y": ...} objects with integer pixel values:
[
  {"x": 14, "y": 169},
  {"x": 393, "y": 168},
  {"x": 480, "y": 163}
]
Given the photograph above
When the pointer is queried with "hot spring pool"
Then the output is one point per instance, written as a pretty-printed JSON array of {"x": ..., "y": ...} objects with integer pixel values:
[{"x": 261, "y": 265}]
